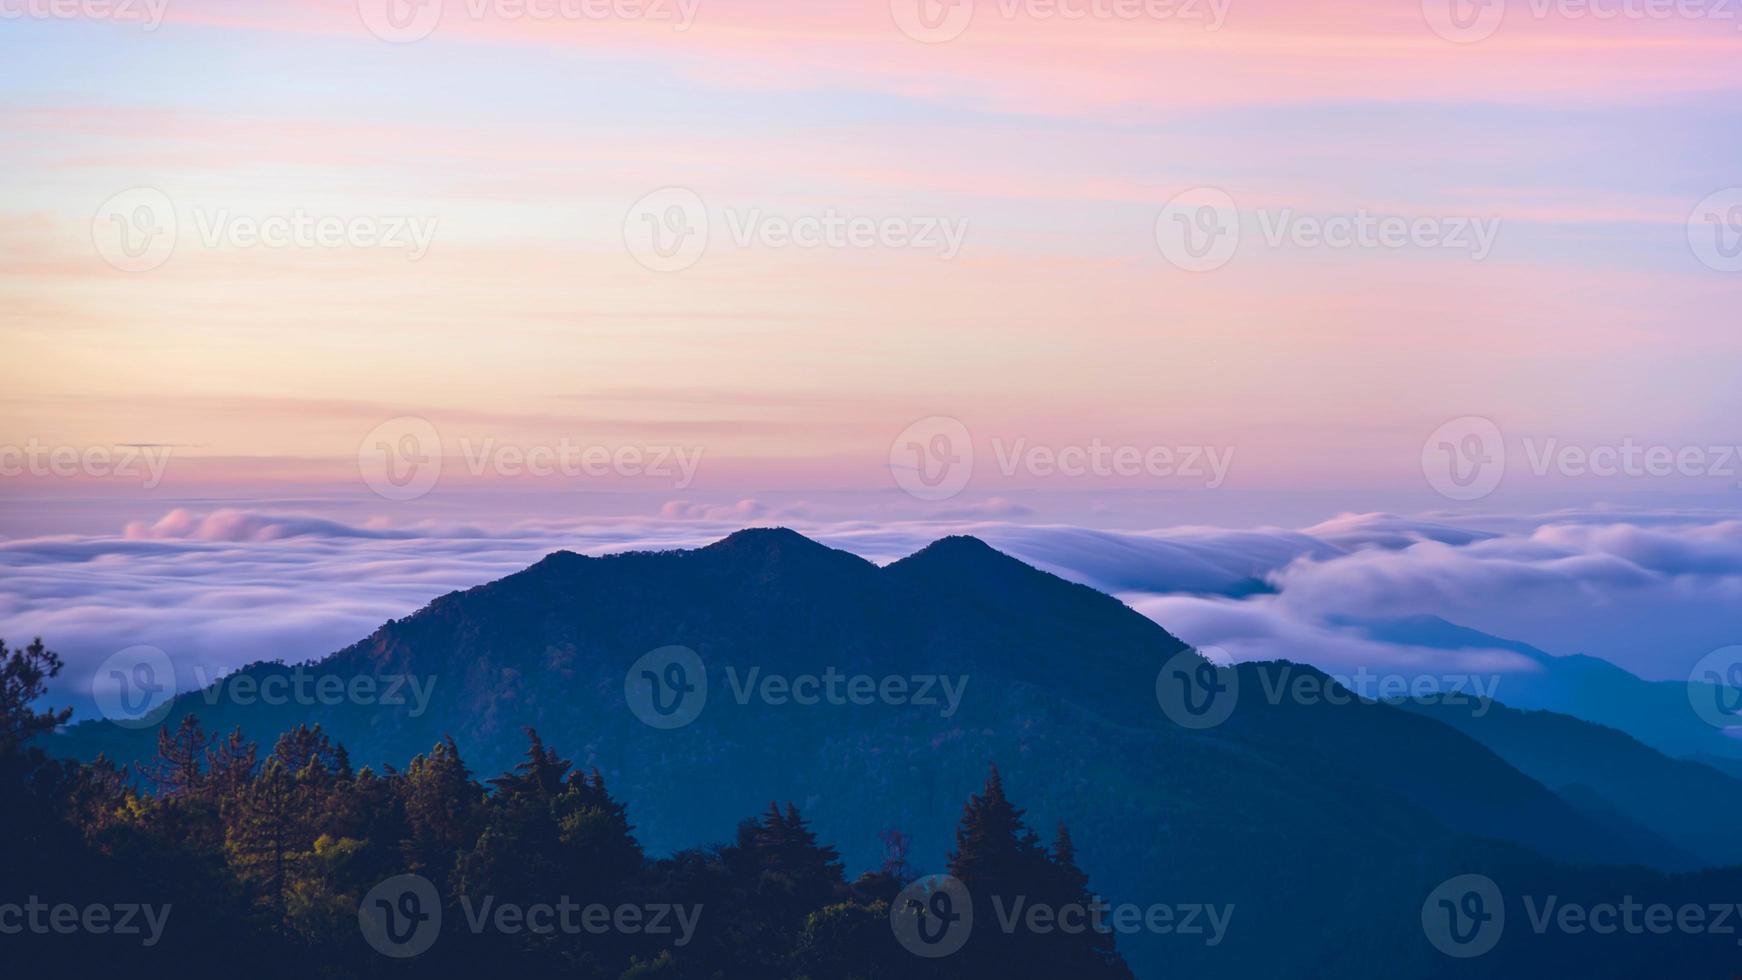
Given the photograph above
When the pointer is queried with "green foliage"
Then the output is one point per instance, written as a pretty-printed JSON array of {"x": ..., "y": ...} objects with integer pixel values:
[
  {"x": 23, "y": 675},
  {"x": 266, "y": 860}
]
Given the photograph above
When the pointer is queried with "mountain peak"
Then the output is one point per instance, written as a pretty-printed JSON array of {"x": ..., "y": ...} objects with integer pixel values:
[
  {"x": 562, "y": 562},
  {"x": 964, "y": 544},
  {"x": 769, "y": 548},
  {"x": 958, "y": 551},
  {"x": 765, "y": 539},
  {"x": 561, "y": 557}
]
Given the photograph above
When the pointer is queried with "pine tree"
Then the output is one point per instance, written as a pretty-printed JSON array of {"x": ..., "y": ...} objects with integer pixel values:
[
  {"x": 1002, "y": 864},
  {"x": 320, "y": 768},
  {"x": 520, "y": 850},
  {"x": 442, "y": 809},
  {"x": 1064, "y": 856},
  {"x": 177, "y": 770},
  {"x": 303, "y": 745},
  {"x": 791, "y": 871},
  {"x": 539, "y": 775},
  {"x": 270, "y": 834},
  {"x": 1072, "y": 889},
  {"x": 995, "y": 852},
  {"x": 24, "y": 675},
  {"x": 801, "y": 853},
  {"x": 98, "y": 797},
  {"x": 229, "y": 766},
  {"x": 596, "y": 835}
]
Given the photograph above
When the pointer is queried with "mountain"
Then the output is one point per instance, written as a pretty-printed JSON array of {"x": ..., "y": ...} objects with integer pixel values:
[
  {"x": 1654, "y": 712},
  {"x": 1605, "y": 771},
  {"x": 1297, "y": 811}
]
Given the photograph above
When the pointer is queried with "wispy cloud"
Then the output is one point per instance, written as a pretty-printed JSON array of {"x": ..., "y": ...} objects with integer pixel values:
[{"x": 222, "y": 588}]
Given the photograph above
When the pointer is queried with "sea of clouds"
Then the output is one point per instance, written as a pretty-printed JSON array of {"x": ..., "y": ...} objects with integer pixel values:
[{"x": 1650, "y": 591}]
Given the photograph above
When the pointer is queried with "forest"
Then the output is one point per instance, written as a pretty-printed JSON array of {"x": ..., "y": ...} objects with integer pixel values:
[{"x": 221, "y": 855}]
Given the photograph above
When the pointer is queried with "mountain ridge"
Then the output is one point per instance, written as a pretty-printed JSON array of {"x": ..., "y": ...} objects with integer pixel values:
[{"x": 1059, "y": 688}]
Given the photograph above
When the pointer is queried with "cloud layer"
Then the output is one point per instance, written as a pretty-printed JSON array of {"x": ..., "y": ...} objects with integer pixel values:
[{"x": 1651, "y": 592}]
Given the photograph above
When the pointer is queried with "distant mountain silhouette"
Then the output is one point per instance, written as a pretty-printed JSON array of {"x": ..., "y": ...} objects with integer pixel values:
[
  {"x": 1654, "y": 712},
  {"x": 1318, "y": 821},
  {"x": 1605, "y": 771}
]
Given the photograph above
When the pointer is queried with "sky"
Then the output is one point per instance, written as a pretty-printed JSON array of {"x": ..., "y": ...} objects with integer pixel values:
[
  {"x": 1130, "y": 265},
  {"x": 522, "y": 145}
]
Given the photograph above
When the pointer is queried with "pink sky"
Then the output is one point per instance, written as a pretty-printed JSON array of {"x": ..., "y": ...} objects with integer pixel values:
[{"x": 528, "y": 315}]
